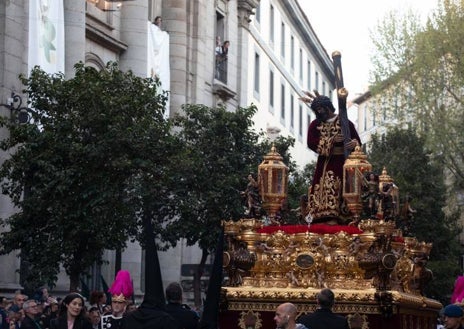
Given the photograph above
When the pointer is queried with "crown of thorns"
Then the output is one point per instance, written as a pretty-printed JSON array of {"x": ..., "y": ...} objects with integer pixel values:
[{"x": 316, "y": 100}]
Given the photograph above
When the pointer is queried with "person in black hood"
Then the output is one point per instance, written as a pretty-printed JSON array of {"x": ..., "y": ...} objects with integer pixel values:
[
  {"x": 148, "y": 316},
  {"x": 151, "y": 314}
]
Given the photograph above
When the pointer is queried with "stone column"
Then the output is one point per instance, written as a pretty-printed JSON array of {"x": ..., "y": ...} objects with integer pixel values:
[
  {"x": 134, "y": 18},
  {"x": 176, "y": 20},
  {"x": 74, "y": 35},
  {"x": 13, "y": 61},
  {"x": 244, "y": 10}
]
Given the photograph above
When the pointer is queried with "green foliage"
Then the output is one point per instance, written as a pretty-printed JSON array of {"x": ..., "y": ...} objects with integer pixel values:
[
  {"x": 95, "y": 149},
  {"x": 220, "y": 150},
  {"x": 421, "y": 68},
  {"x": 98, "y": 159},
  {"x": 418, "y": 175}
]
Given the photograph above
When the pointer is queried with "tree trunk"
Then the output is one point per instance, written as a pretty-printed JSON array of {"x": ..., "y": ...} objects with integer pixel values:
[{"x": 197, "y": 279}]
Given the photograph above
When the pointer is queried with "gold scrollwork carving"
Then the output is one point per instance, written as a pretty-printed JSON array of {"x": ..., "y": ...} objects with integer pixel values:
[{"x": 250, "y": 320}]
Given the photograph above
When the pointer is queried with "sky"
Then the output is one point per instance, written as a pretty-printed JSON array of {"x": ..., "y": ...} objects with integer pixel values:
[{"x": 344, "y": 26}]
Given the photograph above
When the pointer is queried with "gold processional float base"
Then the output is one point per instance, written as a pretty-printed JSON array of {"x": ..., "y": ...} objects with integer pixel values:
[{"x": 376, "y": 274}]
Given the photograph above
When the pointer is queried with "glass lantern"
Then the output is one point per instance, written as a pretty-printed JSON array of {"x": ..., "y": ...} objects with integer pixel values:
[{"x": 273, "y": 181}]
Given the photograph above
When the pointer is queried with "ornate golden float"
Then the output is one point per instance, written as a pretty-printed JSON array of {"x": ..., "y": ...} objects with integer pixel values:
[{"x": 376, "y": 273}]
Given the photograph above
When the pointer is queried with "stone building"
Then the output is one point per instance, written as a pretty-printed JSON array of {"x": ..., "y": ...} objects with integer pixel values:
[
  {"x": 285, "y": 57},
  {"x": 278, "y": 41}
]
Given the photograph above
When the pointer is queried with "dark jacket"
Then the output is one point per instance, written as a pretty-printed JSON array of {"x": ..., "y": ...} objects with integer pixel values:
[
  {"x": 149, "y": 316},
  {"x": 62, "y": 323},
  {"x": 29, "y": 323},
  {"x": 324, "y": 318},
  {"x": 187, "y": 318}
]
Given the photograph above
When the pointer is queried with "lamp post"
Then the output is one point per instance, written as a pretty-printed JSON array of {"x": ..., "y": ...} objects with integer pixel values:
[{"x": 19, "y": 113}]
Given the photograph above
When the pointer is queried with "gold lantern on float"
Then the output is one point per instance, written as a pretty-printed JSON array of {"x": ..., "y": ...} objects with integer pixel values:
[
  {"x": 353, "y": 179},
  {"x": 273, "y": 180}
]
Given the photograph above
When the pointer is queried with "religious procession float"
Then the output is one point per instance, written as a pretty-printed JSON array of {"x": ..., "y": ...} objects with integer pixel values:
[{"x": 376, "y": 272}]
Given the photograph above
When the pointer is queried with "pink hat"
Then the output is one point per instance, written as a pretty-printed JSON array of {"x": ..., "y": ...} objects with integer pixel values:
[{"x": 121, "y": 290}]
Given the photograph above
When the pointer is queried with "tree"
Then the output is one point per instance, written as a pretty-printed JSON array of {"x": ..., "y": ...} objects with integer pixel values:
[
  {"x": 420, "y": 176},
  {"x": 86, "y": 168},
  {"x": 220, "y": 149},
  {"x": 421, "y": 68}
]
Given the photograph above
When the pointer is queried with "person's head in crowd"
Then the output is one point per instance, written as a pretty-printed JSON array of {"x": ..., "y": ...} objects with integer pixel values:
[
  {"x": 285, "y": 316},
  {"x": 326, "y": 298},
  {"x": 452, "y": 316},
  {"x": 94, "y": 315},
  {"x": 3, "y": 302},
  {"x": 174, "y": 293},
  {"x": 41, "y": 295},
  {"x": 19, "y": 300},
  {"x": 15, "y": 315},
  {"x": 97, "y": 298},
  {"x": 54, "y": 305},
  {"x": 31, "y": 308},
  {"x": 131, "y": 307},
  {"x": 121, "y": 292},
  {"x": 72, "y": 306}
]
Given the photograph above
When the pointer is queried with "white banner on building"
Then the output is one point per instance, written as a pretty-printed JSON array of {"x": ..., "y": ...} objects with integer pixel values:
[
  {"x": 158, "y": 57},
  {"x": 46, "y": 35}
]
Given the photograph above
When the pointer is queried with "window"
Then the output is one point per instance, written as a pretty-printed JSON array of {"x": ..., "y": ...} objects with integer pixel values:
[
  {"x": 256, "y": 77},
  {"x": 220, "y": 22},
  {"x": 292, "y": 52},
  {"x": 309, "y": 75},
  {"x": 317, "y": 81},
  {"x": 282, "y": 102},
  {"x": 365, "y": 119},
  {"x": 323, "y": 88},
  {"x": 258, "y": 14},
  {"x": 271, "y": 88},
  {"x": 271, "y": 23},
  {"x": 301, "y": 64},
  {"x": 292, "y": 112},
  {"x": 282, "y": 41},
  {"x": 300, "y": 120},
  {"x": 373, "y": 119},
  {"x": 308, "y": 117}
]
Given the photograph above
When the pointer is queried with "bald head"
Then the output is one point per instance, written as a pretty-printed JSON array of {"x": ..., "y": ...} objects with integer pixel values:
[
  {"x": 285, "y": 316},
  {"x": 289, "y": 309}
]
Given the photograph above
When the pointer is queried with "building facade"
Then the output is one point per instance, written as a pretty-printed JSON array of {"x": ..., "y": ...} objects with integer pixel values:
[
  {"x": 278, "y": 41},
  {"x": 285, "y": 58}
]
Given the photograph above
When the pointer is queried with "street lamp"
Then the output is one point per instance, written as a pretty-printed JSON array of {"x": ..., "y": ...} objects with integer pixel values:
[{"x": 19, "y": 113}]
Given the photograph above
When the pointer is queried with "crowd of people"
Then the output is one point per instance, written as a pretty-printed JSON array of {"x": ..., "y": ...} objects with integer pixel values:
[{"x": 76, "y": 312}]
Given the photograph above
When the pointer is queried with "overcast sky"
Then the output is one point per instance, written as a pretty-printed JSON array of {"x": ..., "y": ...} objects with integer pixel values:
[{"x": 344, "y": 25}]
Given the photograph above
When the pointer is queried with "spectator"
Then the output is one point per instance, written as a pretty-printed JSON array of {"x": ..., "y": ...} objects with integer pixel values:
[
  {"x": 98, "y": 299},
  {"x": 285, "y": 317},
  {"x": 50, "y": 313},
  {"x": 121, "y": 292},
  {"x": 42, "y": 296},
  {"x": 187, "y": 318},
  {"x": 72, "y": 314},
  {"x": 95, "y": 317},
  {"x": 158, "y": 21},
  {"x": 452, "y": 317},
  {"x": 221, "y": 61},
  {"x": 18, "y": 301},
  {"x": 15, "y": 317},
  {"x": 3, "y": 313},
  {"x": 32, "y": 316},
  {"x": 323, "y": 317}
]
